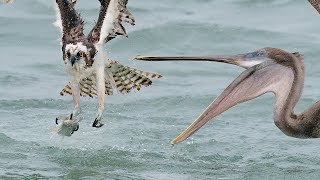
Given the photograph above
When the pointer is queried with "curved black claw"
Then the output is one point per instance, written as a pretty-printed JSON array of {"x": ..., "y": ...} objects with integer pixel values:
[
  {"x": 70, "y": 118},
  {"x": 77, "y": 128},
  {"x": 97, "y": 124}
]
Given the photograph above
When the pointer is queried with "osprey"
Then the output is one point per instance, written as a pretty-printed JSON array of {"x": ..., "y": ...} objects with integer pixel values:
[{"x": 91, "y": 73}]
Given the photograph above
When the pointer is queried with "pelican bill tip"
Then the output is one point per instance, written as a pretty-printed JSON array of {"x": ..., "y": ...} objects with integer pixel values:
[
  {"x": 175, "y": 141},
  {"x": 139, "y": 57}
]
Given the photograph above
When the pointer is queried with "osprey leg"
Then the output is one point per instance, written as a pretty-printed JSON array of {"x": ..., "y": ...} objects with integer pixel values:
[
  {"x": 101, "y": 89},
  {"x": 75, "y": 88},
  {"x": 76, "y": 108}
]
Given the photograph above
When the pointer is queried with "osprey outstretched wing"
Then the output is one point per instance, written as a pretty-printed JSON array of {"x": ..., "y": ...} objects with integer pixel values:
[
  {"x": 69, "y": 20},
  {"x": 91, "y": 72},
  {"x": 112, "y": 14}
]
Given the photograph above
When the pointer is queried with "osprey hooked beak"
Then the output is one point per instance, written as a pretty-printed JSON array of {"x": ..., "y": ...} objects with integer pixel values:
[{"x": 73, "y": 59}]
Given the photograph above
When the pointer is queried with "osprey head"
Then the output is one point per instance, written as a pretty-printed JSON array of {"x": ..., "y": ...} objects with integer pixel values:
[{"x": 79, "y": 55}]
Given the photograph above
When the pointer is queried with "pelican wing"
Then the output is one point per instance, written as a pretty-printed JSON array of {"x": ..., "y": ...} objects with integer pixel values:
[
  {"x": 109, "y": 24},
  {"x": 255, "y": 81},
  {"x": 68, "y": 20},
  {"x": 315, "y": 4},
  {"x": 119, "y": 77}
]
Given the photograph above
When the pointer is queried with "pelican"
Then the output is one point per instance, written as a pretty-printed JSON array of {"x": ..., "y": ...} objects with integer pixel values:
[{"x": 267, "y": 70}]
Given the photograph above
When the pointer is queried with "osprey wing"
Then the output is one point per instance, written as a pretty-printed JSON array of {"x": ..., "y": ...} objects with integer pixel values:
[
  {"x": 68, "y": 20},
  {"x": 109, "y": 24}
]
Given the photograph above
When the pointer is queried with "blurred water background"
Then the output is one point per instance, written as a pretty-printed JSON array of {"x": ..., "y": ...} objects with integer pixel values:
[{"x": 242, "y": 143}]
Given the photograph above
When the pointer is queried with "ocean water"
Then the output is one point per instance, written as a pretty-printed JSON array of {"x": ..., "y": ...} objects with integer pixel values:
[{"x": 242, "y": 143}]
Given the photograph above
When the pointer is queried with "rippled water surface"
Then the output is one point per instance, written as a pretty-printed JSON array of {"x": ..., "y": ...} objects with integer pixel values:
[{"x": 242, "y": 143}]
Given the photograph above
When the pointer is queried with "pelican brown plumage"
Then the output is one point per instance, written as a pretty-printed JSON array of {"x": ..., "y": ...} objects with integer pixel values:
[{"x": 267, "y": 70}]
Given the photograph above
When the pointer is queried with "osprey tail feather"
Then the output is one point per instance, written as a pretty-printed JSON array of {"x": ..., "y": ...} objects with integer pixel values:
[{"x": 119, "y": 77}]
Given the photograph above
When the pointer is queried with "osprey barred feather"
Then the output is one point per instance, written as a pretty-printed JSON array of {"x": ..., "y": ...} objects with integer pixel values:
[
  {"x": 124, "y": 79},
  {"x": 315, "y": 4},
  {"x": 91, "y": 72}
]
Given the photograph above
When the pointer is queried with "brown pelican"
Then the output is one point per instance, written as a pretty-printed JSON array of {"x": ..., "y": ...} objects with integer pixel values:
[{"x": 267, "y": 70}]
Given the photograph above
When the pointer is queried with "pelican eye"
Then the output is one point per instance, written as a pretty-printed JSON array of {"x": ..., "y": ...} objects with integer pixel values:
[{"x": 81, "y": 54}]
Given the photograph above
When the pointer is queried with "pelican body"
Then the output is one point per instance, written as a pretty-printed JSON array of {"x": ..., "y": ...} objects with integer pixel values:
[{"x": 267, "y": 70}]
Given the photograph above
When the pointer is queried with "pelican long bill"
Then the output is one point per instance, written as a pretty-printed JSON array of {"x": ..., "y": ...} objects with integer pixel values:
[
  {"x": 243, "y": 60},
  {"x": 253, "y": 82}
]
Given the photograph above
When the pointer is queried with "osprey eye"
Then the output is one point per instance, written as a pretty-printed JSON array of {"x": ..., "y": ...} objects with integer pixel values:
[
  {"x": 81, "y": 54},
  {"x": 68, "y": 54}
]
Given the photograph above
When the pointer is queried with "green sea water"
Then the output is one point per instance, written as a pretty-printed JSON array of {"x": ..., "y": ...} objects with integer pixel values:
[{"x": 242, "y": 143}]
